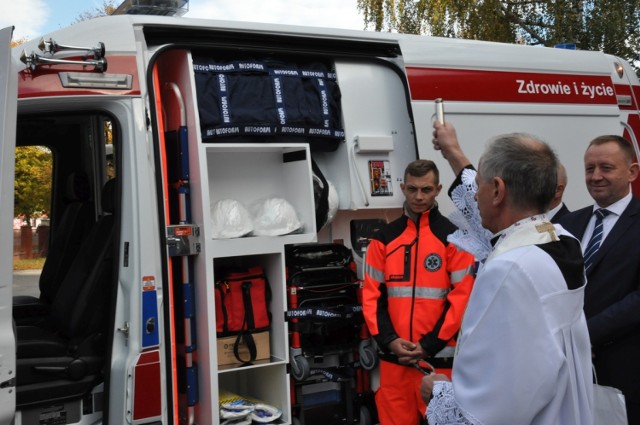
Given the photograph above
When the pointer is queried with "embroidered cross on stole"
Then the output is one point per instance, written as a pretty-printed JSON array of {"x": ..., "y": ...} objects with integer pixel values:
[{"x": 547, "y": 227}]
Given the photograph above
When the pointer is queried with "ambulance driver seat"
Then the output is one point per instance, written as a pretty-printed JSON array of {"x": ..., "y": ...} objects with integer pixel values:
[
  {"x": 62, "y": 358},
  {"x": 74, "y": 224}
]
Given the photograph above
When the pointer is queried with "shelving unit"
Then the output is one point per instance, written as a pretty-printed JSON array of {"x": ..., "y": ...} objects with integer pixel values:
[
  {"x": 244, "y": 169},
  {"x": 246, "y": 172}
]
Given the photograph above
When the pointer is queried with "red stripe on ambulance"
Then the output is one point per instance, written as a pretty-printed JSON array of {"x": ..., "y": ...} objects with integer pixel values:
[{"x": 500, "y": 86}]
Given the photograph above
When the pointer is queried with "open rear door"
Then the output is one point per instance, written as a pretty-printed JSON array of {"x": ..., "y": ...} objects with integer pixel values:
[{"x": 8, "y": 105}]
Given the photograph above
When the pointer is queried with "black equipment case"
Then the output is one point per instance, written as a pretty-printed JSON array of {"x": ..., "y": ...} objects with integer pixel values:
[{"x": 329, "y": 385}]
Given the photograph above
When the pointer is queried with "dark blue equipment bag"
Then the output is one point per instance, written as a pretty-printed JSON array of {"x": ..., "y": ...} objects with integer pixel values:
[{"x": 284, "y": 100}]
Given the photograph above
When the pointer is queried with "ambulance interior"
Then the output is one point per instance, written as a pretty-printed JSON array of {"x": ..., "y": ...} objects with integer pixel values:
[
  {"x": 63, "y": 331},
  {"x": 365, "y": 167}
]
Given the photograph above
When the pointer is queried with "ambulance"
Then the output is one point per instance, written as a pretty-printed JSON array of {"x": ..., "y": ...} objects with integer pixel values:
[{"x": 156, "y": 124}]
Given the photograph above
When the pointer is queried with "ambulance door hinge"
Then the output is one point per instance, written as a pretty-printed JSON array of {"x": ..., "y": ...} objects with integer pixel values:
[
  {"x": 125, "y": 329},
  {"x": 183, "y": 239}
]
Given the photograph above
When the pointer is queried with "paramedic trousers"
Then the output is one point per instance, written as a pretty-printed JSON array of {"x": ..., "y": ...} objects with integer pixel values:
[{"x": 398, "y": 398}]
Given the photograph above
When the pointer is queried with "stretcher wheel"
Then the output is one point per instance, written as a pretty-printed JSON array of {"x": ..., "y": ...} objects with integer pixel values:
[
  {"x": 365, "y": 416},
  {"x": 368, "y": 355},
  {"x": 300, "y": 368}
]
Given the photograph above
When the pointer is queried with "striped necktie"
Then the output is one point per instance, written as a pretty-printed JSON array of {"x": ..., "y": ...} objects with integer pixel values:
[{"x": 596, "y": 239}]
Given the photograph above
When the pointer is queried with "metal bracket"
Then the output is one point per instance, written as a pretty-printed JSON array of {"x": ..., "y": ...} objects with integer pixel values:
[
  {"x": 125, "y": 329},
  {"x": 183, "y": 239},
  {"x": 8, "y": 384}
]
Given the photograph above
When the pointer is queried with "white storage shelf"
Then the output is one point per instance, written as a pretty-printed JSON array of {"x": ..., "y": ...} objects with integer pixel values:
[
  {"x": 270, "y": 385},
  {"x": 249, "y": 172},
  {"x": 272, "y": 265},
  {"x": 252, "y": 172},
  {"x": 265, "y": 380}
]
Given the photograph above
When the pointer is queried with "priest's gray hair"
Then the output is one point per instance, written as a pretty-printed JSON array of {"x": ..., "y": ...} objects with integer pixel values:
[{"x": 527, "y": 165}]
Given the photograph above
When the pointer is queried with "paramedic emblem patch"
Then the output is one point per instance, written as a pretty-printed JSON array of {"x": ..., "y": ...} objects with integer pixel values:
[{"x": 433, "y": 262}]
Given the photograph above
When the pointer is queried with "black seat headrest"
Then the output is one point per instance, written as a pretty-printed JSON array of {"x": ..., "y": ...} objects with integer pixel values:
[
  {"x": 109, "y": 196},
  {"x": 78, "y": 187}
]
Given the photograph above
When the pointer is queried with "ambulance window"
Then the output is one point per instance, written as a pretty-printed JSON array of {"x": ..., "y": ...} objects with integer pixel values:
[
  {"x": 105, "y": 146},
  {"x": 62, "y": 162},
  {"x": 32, "y": 209},
  {"x": 109, "y": 149}
]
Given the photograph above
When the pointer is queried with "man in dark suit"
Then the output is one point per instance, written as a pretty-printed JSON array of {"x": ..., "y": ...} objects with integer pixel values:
[
  {"x": 558, "y": 209},
  {"x": 612, "y": 296}
]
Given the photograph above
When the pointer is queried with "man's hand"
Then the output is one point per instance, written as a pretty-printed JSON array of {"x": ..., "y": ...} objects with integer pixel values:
[
  {"x": 446, "y": 141},
  {"x": 407, "y": 351},
  {"x": 426, "y": 386}
]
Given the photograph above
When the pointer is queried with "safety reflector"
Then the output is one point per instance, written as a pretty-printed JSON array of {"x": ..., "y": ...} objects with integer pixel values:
[{"x": 147, "y": 395}]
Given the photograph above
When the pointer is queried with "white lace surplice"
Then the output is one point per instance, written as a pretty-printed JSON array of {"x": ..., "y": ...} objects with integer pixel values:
[
  {"x": 470, "y": 236},
  {"x": 473, "y": 238},
  {"x": 447, "y": 412}
]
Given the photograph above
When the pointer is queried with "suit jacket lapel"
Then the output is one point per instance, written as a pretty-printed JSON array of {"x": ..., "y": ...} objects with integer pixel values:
[
  {"x": 581, "y": 221},
  {"x": 628, "y": 216},
  {"x": 561, "y": 213}
]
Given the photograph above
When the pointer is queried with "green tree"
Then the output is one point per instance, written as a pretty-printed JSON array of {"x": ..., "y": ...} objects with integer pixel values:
[
  {"x": 612, "y": 26},
  {"x": 107, "y": 8},
  {"x": 33, "y": 182},
  {"x": 17, "y": 42}
]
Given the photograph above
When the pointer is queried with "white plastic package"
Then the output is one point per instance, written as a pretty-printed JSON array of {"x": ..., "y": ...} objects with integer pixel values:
[{"x": 265, "y": 413}]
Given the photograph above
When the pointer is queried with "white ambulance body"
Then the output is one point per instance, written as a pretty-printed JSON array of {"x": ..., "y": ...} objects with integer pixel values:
[{"x": 157, "y": 360}]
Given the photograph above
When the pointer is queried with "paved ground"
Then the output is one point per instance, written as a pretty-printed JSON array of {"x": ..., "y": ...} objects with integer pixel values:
[{"x": 25, "y": 282}]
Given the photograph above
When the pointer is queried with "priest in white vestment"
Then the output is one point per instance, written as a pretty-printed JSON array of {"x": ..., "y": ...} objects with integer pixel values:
[{"x": 524, "y": 354}]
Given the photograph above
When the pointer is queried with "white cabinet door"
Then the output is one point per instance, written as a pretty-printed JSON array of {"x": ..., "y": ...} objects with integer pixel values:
[{"x": 368, "y": 168}]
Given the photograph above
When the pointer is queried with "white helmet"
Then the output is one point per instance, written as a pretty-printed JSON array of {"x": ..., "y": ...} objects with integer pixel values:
[
  {"x": 327, "y": 201},
  {"x": 273, "y": 217},
  {"x": 230, "y": 219}
]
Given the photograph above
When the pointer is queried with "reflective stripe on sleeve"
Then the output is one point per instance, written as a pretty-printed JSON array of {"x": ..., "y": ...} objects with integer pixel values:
[
  {"x": 375, "y": 274},
  {"x": 458, "y": 275},
  {"x": 426, "y": 293}
]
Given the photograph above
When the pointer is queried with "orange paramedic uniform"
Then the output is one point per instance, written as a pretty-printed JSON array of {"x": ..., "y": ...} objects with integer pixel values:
[{"x": 416, "y": 287}]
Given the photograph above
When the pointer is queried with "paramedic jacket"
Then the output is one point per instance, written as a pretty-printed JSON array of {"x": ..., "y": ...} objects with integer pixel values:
[{"x": 416, "y": 284}]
